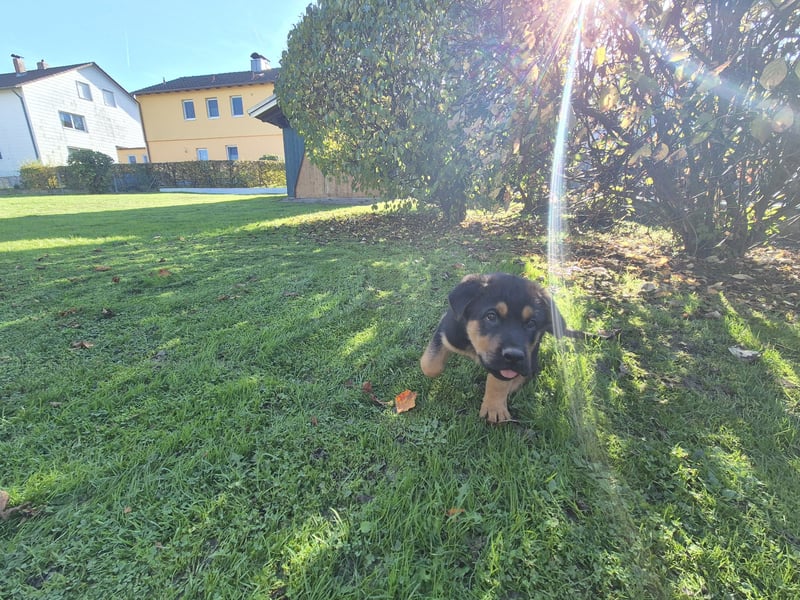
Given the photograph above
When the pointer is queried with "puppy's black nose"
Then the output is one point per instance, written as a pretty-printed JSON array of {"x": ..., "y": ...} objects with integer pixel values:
[{"x": 513, "y": 355}]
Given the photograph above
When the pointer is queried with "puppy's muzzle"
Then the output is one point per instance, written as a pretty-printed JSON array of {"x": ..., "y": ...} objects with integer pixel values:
[
  {"x": 509, "y": 363},
  {"x": 513, "y": 356}
]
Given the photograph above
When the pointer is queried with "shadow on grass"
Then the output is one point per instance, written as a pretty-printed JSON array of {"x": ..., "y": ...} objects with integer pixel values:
[{"x": 706, "y": 448}]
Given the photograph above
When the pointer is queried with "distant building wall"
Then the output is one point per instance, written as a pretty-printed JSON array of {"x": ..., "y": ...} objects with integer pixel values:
[
  {"x": 106, "y": 126},
  {"x": 173, "y": 138},
  {"x": 16, "y": 144},
  {"x": 47, "y": 113}
]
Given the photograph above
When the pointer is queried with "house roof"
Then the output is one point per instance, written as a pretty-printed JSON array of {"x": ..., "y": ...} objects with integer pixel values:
[
  {"x": 12, "y": 80},
  {"x": 202, "y": 82},
  {"x": 269, "y": 112}
]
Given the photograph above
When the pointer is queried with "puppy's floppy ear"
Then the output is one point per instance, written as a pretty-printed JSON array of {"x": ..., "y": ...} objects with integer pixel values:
[
  {"x": 556, "y": 323},
  {"x": 464, "y": 293}
]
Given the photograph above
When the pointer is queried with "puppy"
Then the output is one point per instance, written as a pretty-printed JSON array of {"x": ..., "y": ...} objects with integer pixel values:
[{"x": 498, "y": 320}]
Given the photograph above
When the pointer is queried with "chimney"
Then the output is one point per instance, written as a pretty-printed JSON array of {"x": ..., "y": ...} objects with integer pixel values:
[
  {"x": 19, "y": 64},
  {"x": 42, "y": 65},
  {"x": 259, "y": 63}
]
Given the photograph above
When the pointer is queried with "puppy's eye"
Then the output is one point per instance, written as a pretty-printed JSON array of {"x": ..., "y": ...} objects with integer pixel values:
[
  {"x": 530, "y": 324},
  {"x": 490, "y": 316}
]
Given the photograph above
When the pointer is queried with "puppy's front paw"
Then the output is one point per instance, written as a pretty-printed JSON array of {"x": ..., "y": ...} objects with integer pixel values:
[{"x": 495, "y": 412}]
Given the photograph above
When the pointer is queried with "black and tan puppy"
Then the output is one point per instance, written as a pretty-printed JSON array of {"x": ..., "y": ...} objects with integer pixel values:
[{"x": 498, "y": 320}]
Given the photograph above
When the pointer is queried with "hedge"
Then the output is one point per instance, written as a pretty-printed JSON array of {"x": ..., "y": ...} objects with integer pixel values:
[{"x": 152, "y": 176}]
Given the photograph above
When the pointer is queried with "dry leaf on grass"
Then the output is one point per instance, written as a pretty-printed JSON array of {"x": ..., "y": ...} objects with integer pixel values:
[
  {"x": 366, "y": 387},
  {"x": 743, "y": 354},
  {"x": 81, "y": 345},
  {"x": 609, "y": 334},
  {"x": 5, "y": 512},
  {"x": 405, "y": 401}
]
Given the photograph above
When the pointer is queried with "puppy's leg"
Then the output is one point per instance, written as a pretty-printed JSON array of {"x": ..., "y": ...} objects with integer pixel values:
[
  {"x": 495, "y": 400},
  {"x": 435, "y": 357}
]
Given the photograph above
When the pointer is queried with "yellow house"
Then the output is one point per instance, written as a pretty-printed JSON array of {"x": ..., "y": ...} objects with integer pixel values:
[
  {"x": 204, "y": 117},
  {"x": 132, "y": 155}
]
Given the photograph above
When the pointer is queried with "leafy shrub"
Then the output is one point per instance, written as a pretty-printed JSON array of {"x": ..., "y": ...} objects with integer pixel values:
[
  {"x": 36, "y": 176},
  {"x": 90, "y": 170}
]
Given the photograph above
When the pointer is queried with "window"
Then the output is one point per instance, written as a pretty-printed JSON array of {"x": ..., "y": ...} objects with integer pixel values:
[
  {"x": 84, "y": 91},
  {"x": 212, "y": 106},
  {"x": 71, "y": 121},
  {"x": 108, "y": 98},
  {"x": 237, "y": 106},
  {"x": 202, "y": 154},
  {"x": 188, "y": 110},
  {"x": 72, "y": 149},
  {"x": 144, "y": 158},
  {"x": 132, "y": 159},
  {"x": 233, "y": 152}
]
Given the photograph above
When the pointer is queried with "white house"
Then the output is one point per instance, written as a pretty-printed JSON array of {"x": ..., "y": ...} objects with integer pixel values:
[{"x": 47, "y": 112}]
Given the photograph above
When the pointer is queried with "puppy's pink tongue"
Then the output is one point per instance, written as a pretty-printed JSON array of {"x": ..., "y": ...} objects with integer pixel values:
[{"x": 508, "y": 373}]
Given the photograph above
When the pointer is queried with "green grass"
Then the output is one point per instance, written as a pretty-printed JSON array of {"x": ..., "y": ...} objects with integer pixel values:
[{"x": 212, "y": 440}]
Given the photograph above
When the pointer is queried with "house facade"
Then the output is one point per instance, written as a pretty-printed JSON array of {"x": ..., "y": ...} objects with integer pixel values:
[
  {"x": 47, "y": 112},
  {"x": 204, "y": 117}
]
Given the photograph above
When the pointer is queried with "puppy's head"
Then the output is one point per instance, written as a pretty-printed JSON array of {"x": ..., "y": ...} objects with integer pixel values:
[{"x": 505, "y": 318}]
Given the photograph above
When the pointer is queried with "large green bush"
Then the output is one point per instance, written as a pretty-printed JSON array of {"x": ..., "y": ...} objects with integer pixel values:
[
  {"x": 690, "y": 109},
  {"x": 90, "y": 170}
]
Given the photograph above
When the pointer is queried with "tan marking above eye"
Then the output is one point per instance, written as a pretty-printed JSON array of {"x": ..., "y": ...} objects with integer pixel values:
[
  {"x": 527, "y": 314},
  {"x": 502, "y": 309}
]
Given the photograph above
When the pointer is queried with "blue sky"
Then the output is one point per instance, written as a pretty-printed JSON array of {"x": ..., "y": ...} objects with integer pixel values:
[{"x": 142, "y": 42}]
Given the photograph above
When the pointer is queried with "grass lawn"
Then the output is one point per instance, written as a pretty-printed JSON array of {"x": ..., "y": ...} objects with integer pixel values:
[{"x": 182, "y": 412}]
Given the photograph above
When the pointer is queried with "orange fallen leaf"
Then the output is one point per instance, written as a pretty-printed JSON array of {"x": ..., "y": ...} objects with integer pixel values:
[
  {"x": 164, "y": 272},
  {"x": 455, "y": 511},
  {"x": 405, "y": 401},
  {"x": 102, "y": 268}
]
